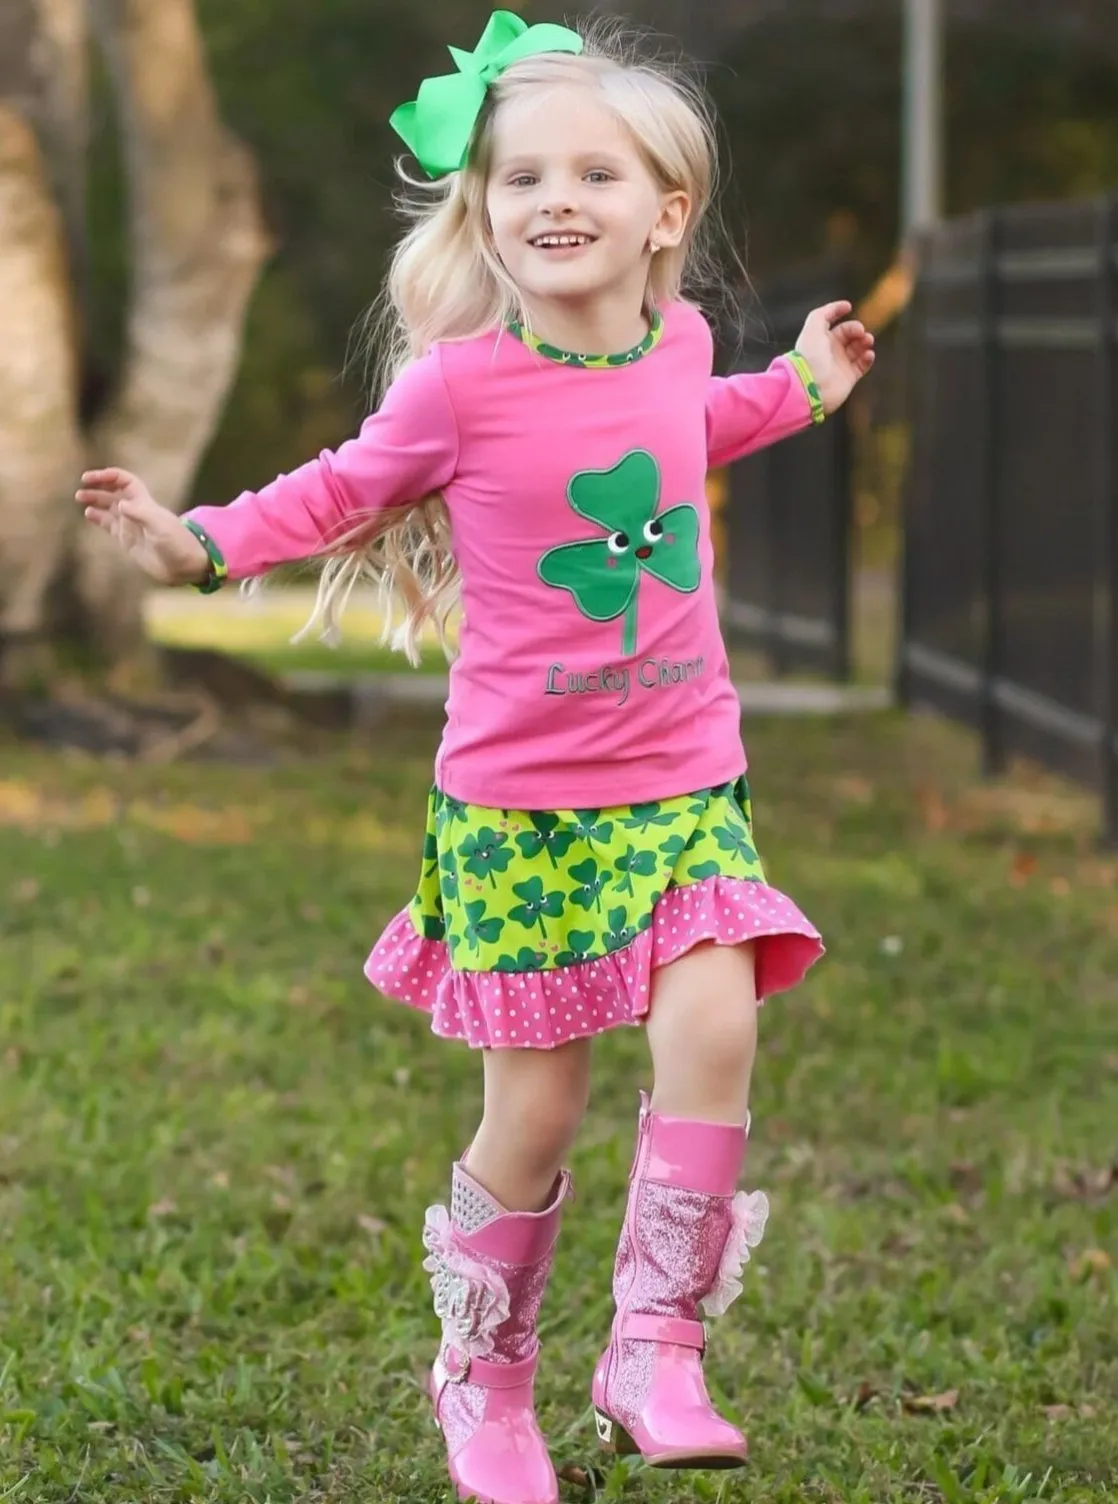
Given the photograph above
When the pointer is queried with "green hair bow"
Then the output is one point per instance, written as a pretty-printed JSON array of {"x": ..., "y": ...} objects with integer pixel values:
[{"x": 438, "y": 126}]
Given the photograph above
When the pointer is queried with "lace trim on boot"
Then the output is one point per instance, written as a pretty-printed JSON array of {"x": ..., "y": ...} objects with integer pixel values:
[
  {"x": 750, "y": 1212},
  {"x": 471, "y": 1301}
]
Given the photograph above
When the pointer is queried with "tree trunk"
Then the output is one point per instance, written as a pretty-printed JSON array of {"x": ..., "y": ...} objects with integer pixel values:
[
  {"x": 40, "y": 447},
  {"x": 63, "y": 122},
  {"x": 197, "y": 244}
]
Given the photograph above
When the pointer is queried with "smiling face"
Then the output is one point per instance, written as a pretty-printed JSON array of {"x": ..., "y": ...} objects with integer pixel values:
[{"x": 573, "y": 207}]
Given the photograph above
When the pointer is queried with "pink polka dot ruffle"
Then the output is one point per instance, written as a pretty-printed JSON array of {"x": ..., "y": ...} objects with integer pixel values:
[{"x": 543, "y": 1009}]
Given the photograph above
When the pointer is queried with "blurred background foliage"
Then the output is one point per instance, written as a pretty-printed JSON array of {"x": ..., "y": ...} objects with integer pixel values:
[{"x": 810, "y": 100}]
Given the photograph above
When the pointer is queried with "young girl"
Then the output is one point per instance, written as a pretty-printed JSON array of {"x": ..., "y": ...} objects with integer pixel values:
[{"x": 589, "y": 858}]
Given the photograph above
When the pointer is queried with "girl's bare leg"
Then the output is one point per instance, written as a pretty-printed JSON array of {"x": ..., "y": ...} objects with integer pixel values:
[
  {"x": 702, "y": 1031},
  {"x": 534, "y": 1103}
]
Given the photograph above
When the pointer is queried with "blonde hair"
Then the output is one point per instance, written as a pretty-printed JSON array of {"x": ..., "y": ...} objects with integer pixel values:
[{"x": 447, "y": 283}]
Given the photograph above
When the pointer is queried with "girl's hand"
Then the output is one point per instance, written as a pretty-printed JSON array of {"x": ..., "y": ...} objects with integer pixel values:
[
  {"x": 839, "y": 354},
  {"x": 150, "y": 535}
]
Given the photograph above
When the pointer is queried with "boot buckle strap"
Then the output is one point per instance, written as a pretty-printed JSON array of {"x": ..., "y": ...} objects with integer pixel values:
[
  {"x": 453, "y": 1366},
  {"x": 639, "y": 1326}
]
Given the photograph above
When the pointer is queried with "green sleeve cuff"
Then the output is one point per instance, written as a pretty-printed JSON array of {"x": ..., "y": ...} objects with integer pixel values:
[
  {"x": 219, "y": 570},
  {"x": 804, "y": 372}
]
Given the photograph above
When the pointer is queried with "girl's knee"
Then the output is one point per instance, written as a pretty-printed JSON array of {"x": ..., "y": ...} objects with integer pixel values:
[
  {"x": 542, "y": 1104},
  {"x": 704, "y": 1010},
  {"x": 722, "y": 1034},
  {"x": 558, "y": 1102}
]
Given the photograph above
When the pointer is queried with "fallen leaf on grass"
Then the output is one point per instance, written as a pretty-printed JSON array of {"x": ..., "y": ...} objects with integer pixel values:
[
  {"x": 865, "y": 1395},
  {"x": 576, "y": 1475},
  {"x": 1034, "y": 811},
  {"x": 1092, "y": 1261},
  {"x": 194, "y": 826},
  {"x": 856, "y": 790},
  {"x": 1065, "y": 1412},
  {"x": 933, "y": 808},
  {"x": 965, "y": 1176},
  {"x": 1022, "y": 867},
  {"x": 1086, "y": 1185},
  {"x": 900, "y": 1243},
  {"x": 930, "y": 1404}
]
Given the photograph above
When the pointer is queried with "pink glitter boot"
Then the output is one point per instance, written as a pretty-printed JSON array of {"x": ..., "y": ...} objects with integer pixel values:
[
  {"x": 488, "y": 1269},
  {"x": 685, "y": 1242}
]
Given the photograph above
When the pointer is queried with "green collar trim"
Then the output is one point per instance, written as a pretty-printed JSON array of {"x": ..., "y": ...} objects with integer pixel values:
[{"x": 591, "y": 362}]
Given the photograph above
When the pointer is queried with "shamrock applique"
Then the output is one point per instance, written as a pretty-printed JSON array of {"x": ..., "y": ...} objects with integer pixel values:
[
  {"x": 591, "y": 880},
  {"x": 603, "y": 574},
  {"x": 731, "y": 839},
  {"x": 581, "y": 943},
  {"x": 619, "y": 934},
  {"x": 545, "y": 835}
]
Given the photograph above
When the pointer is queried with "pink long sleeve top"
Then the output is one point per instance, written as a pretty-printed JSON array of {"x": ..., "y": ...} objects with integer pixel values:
[{"x": 591, "y": 669}]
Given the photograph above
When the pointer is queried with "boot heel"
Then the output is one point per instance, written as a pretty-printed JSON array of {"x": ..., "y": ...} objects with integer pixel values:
[{"x": 614, "y": 1438}]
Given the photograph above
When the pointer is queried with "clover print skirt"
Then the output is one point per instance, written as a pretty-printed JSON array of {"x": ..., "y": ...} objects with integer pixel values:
[{"x": 532, "y": 928}]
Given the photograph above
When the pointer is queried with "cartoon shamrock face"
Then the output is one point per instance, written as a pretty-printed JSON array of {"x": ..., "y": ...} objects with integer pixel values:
[{"x": 603, "y": 574}]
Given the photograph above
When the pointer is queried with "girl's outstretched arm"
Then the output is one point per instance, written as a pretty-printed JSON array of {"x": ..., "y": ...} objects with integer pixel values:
[
  {"x": 404, "y": 452},
  {"x": 154, "y": 539},
  {"x": 749, "y": 411}
]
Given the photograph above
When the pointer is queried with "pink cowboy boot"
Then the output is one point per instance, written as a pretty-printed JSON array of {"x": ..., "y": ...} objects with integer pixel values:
[
  {"x": 488, "y": 1271},
  {"x": 685, "y": 1241}
]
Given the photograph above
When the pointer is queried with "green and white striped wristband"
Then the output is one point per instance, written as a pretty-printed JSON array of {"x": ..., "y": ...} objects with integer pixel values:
[
  {"x": 804, "y": 372},
  {"x": 219, "y": 570}
]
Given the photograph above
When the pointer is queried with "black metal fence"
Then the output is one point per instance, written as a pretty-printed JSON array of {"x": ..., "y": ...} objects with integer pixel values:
[
  {"x": 1010, "y": 615},
  {"x": 787, "y": 578}
]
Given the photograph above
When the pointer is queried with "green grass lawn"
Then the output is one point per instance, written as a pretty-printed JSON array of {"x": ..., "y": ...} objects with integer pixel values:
[
  {"x": 217, "y": 1143},
  {"x": 260, "y": 632}
]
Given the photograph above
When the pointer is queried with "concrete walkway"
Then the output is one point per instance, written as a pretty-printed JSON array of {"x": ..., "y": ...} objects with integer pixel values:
[{"x": 374, "y": 692}]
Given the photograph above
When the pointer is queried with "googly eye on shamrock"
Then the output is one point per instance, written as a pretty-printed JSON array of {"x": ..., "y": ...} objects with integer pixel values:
[{"x": 603, "y": 574}]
